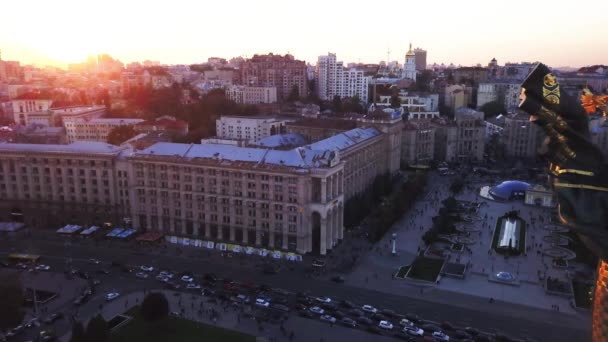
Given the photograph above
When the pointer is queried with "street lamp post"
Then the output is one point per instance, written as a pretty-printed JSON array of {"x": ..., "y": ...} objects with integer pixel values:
[{"x": 394, "y": 243}]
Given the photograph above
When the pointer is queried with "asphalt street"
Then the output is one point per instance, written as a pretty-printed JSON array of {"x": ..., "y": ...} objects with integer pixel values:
[{"x": 462, "y": 310}]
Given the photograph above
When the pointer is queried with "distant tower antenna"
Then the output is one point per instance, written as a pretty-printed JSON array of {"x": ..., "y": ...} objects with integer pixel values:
[{"x": 388, "y": 56}]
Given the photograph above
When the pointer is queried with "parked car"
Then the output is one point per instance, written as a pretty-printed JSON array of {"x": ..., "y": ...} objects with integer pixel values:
[
  {"x": 18, "y": 330},
  {"x": 356, "y": 313},
  {"x": 279, "y": 307},
  {"x": 43, "y": 267},
  {"x": 386, "y": 325},
  {"x": 243, "y": 299},
  {"x": 369, "y": 309},
  {"x": 328, "y": 318},
  {"x": 403, "y": 336},
  {"x": 192, "y": 286},
  {"x": 207, "y": 292},
  {"x": 339, "y": 314},
  {"x": 262, "y": 302},
  {"x": 94, "y": 261},
  {"x": 47, "y": 336},
  {"x": 187, "y": 279},
  {"x": 111, "y": 296},
  {"x": 406, "y": 323},
  {"x": 461, "y": 334},
  {"x": 306, "y": 314},
  {"x": 53, "y": 317},
  {"x": 349, "y": 322},
  {"x": 431, "y": 328},
  {"x": 447, "y": 326},
  {"x": 414, "y": 331},
  {"x": 141, "y": 275},
  {"x": 146, "y": 268},
  {"x": 440, "y": 336},
  {"x": 472, "y": 331},
  {"x": 412, "y": 317},
  {"x": 388, "y": 313},
  {"x": 280, "y": 300},
  {"x": 34, "y": 322},
  {"x": 102, "y": 271},
  {"x": 323, "y": 299},
  {"x": 317, "y": 310},
  {"x": 210, "y": 277}
]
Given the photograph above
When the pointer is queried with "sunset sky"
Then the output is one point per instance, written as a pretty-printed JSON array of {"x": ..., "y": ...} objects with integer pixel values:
[{"x": 462, "y": 32}]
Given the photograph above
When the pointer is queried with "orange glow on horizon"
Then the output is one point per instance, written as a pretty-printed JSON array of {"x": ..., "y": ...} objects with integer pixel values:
[{"x": 466, "y": 33}]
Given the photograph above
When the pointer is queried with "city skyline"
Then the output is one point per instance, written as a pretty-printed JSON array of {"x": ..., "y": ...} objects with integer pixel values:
[{"x": 67, "y": 32}]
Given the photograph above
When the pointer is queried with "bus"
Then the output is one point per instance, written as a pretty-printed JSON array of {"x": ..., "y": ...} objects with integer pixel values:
[{"x": 23, "y": 257}]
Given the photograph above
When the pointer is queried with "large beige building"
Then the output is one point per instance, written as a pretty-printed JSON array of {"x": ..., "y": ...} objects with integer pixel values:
[
  {"x": 418, "y": 142},
  {"x": 94, "y": 129},
  {"x": 251, "y": 95},
  {"x": 291, "y": 200},
  {"x": 520, "y": 137}
]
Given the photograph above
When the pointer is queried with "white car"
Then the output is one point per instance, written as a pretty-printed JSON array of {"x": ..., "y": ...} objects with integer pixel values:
[
  {"x": 262, "y": 302},
  {"x": 440, "y": 336},
  {"x": 94, "y": 261},
  {"x": 141, "y": 275},
  {"x": 317, "y": 310},
  {"x": 369, "y": 308},
  {"x": 43, "y": 267},
  {"x": 328, "y": 318},
  {"x": 406, "y": 323},
  {"x": 166, "y": 274},
  {"x": 162, "y": 278},
  {"x": 112, "y": 295},
  {"x": 146, "y": 268},
  {"x": 187, "y": 279},
  {"x": 192, "y": 286},
  {"x": 323, "y": 299},
  {"x": 415, "y": 331},
  {"x": 385, "y": 325}
]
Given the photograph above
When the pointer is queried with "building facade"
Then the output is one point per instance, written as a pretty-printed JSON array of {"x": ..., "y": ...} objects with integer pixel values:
[
  {"x": 248, "y": 128},
  {"x": 506, "y": 93},
  {"x": 420, "y": 55},
  {"x": 418, "y": 142},
  {"x": 96, "y": 129},
  {"x": 291, "y": 200},
  {"x": 251, "y": 95},
  {"x": 282, "y": 72},
  {"x": 520, "y": 137}
]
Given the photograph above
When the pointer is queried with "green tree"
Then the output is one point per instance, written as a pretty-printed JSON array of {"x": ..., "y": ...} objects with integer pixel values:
[
  {"x": 78, "y": 333},
  {"x": 395, "y": 101},
  {"x": 337, "y": 104},
  {"x": 294, "y": 94},
  {"x": 457, "y": 185},
  {"x": 120, "y": 134},
  {"x": 155, "y": 307},
  {"x": 492, "y": 109},
  {"x": 353, "y": 105},
  {"x": 97, "y": 329},
  {"x": 11, "y": 310}
]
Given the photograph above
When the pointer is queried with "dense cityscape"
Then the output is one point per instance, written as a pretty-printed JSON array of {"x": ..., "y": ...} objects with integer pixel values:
[{"x": 278, "y": 199}]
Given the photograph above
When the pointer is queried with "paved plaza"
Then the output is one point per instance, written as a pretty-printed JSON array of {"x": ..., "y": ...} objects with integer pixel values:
[{"x": 378, "y": 265}]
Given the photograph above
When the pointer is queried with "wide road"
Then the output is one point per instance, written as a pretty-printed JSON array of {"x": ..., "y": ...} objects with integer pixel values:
[{"x": 541, "y": 325}]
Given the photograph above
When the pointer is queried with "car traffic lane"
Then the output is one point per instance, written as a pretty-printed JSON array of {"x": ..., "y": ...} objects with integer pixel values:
[{"x": 295, "y": 280}]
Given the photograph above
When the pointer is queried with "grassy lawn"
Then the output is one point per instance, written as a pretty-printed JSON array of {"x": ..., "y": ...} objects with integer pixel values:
[
  {"x": 521, "y": 248},
  {"x": 173, "y": 330},
  {"x": 581, "y": 294},
  {"x": 425, "y": 268}
]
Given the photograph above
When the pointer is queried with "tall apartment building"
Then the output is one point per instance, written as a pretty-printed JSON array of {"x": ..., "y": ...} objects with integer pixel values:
[
  {"x": 505, "y": 92},
  {"x": 251, "y": 95},
  {"x": 420, "y": 55},
  {"x": 96, "y": 129},
  {"x": 332, "y": 79},
  {"x": 248, "y": 128},
  {"x": 282, "y": 72}
]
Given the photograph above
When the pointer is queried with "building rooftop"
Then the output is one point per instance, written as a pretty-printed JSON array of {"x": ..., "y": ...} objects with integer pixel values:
[
  {"x": 281, "y": 140},
  {"x": 313, "y": 155},
  {"x": 75, "y": 110},
  {"x": 114, "y": 121},
  {"x": 325, "y": 123},
  {"x": 76, "y": 147}
]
